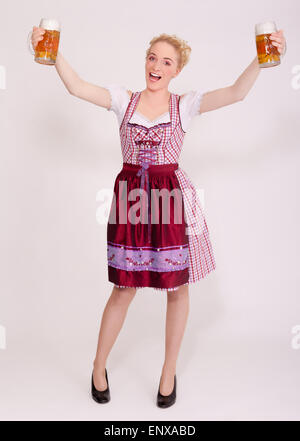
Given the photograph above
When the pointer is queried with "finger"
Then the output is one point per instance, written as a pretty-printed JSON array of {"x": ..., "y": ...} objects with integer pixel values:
[
  {"x": 38, "y": 33},
  {"x": 36, "y": 39},
  {"x": 277, "y": 33},
  {"x": 279, "y": 47},
  {"x": 277, "y": 44},
  {"x": 276, "y": 40}
]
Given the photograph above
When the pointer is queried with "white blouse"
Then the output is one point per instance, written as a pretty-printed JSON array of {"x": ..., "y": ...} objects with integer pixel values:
[{"x": 189, "y": 105}]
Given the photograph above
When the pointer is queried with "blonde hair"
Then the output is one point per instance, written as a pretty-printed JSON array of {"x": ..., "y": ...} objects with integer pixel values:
[{"x": 181, "y": 46}]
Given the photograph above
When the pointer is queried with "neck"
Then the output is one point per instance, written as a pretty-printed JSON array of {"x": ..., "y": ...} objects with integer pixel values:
[{"x": 156, "y": 96}]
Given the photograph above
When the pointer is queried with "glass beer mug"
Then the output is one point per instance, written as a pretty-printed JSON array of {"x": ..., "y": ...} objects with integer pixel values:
[
  {"x": 267, "y": 54},
  {"x": 46, "y": 50}
]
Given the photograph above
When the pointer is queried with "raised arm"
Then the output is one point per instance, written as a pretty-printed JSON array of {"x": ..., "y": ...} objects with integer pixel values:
[
  {"x": 80, "y": 88},
  {"x": 232, "y": 94},
  {"x": 73, "y": 83},
  {"x": 237, "y": 92}
]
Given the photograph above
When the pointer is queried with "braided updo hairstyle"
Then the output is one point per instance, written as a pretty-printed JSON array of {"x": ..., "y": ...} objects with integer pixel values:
[{"x": 182, "y": 48}]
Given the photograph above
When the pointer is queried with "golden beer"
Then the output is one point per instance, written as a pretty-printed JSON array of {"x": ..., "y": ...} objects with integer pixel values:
[
  {"x": 46, "y": 50},
  {"x": 267, "y": 54}
]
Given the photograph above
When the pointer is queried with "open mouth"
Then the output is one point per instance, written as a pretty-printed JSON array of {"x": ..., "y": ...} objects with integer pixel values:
[{"x": 154, "y": 77}]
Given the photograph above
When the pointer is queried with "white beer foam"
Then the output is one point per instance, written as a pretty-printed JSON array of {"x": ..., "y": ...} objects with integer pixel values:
[
  {"x": 50, "y": 23},
  {"x": 266, "y": 27}
]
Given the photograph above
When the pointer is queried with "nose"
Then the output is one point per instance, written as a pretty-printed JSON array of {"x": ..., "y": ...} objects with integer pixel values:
[
  {"x": 156, "y": 66},
  {"x": 156, "y": 69}
]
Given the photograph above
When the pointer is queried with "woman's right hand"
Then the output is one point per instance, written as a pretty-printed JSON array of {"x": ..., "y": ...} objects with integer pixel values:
[{"x": 37, "y": 35}]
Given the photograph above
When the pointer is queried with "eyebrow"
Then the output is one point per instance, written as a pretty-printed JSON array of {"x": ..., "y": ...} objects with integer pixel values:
[{"x": 166, "y": 58}]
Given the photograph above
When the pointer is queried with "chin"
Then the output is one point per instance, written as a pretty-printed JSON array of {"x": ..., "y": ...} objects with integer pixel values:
[{"x": 153, "y": 85}]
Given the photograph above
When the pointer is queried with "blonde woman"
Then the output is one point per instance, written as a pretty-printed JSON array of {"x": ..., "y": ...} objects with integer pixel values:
[{"x": 167, "y": 256}]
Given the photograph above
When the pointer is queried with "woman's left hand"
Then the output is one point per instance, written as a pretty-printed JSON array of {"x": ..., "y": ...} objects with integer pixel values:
[{"x": 279, "y": 41}]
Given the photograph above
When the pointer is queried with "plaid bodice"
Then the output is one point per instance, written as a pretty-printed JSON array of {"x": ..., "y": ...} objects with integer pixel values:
[{"x": 159, "y": 144}]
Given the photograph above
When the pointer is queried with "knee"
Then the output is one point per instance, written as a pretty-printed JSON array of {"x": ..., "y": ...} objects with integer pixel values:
[
  {"x": 173, "y": 296},
  {"x": 123, "y": 296},
  {"x": 180, "y": 294}
]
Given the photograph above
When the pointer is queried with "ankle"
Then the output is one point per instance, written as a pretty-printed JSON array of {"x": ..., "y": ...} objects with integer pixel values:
[
  {"x": 99, "y": 367},
  {"x": 169, "y": 368}
]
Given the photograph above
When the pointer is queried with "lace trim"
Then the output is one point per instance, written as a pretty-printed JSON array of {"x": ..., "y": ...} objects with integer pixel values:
[
  {"x": 116, "y": 94},
  {"x": 157, "y": 289},
  {"x": 197, "y": 98}
]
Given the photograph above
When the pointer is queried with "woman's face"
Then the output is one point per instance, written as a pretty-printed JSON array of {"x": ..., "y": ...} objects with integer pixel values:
[{"x": 162, "y": 60}]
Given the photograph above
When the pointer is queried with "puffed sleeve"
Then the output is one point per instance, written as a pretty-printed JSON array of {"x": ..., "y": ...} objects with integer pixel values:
[
  {"x": 119, "y": 99},
  {"x": 190, "y": 106}
]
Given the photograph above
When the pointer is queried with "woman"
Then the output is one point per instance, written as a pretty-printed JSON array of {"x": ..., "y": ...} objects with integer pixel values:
[{"x": 167, "y": 256}]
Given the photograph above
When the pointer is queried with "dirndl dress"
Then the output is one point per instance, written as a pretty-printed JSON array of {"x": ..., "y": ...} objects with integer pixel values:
[{"x": 157, "y": 234}]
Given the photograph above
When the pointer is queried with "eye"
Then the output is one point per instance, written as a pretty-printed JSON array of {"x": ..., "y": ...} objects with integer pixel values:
[{"x": 152, "y": 58}]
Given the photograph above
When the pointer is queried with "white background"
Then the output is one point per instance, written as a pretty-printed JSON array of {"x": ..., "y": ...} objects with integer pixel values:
[{"x": 57, "y": 152}]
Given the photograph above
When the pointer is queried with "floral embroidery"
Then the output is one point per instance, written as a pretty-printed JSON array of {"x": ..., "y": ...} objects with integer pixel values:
[
  {"x": 134, "y": 262},
  {"x": 129, "y": 258},
  {"x": 174, "y": 262}
]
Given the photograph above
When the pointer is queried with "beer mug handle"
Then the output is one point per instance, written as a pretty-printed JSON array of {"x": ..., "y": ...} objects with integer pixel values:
[
  {"x": 29, "y": 44},
  {"x": 284, "y": 51}
]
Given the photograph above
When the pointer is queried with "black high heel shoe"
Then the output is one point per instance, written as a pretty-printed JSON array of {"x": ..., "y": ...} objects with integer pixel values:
[
  {"x": 166, "y": 400},
  {"x": 101, "y": 396}
]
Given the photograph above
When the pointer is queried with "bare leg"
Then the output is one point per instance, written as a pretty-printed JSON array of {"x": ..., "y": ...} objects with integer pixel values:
[
  {"x": 112, "y": 321},
  {"x": 176, "y": 319}
]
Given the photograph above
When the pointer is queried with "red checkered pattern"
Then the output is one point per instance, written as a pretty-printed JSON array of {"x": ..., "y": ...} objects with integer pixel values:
[{"x": 201, "y": 257}]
